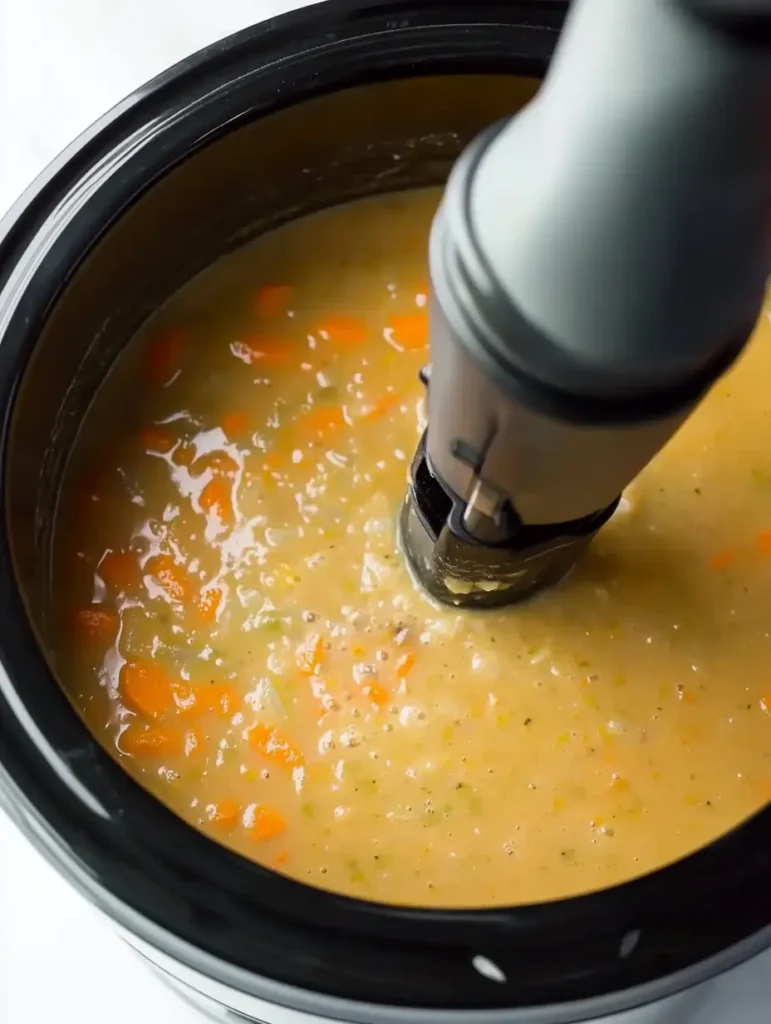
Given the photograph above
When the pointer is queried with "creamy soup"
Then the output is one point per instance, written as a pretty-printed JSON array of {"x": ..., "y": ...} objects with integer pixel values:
[{"x": 236, "y": 625}]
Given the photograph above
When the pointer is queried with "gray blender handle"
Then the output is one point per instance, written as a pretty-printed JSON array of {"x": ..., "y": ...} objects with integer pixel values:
[
  {"x": 626, "y": 212},
  {"x": 599, "y": 260}
]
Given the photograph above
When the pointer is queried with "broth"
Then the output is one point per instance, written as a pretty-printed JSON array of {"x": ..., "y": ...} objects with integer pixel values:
[{"x": 236, "y": 626}]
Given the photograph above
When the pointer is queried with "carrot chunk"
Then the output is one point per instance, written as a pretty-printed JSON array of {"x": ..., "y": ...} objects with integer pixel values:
[
  {"x": 235, "y": 423},
  {"x": 345, "y": 330},
  {"x": 219, "y": 697},
  {"x": 267, "y": 823},
  {"x": 147, "y": 688},
  {"x": 119, "y": 570},
  {"x": 170, "y": 577},
  {"x": 215, "y": 499},
  {"x": 404, "y": 665},
  {"x": 319, "y": 424},
  {"x": 225, "y": 814},
  {"x": 268, "y": 741},
  {"x": 377, "y": 694},
  {"x": 192, "y": 701},
  {"x": 155, "y": 739},
  {"x": 410, "y": 331}
]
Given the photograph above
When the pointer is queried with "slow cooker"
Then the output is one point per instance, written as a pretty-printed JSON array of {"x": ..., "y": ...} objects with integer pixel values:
[{"x": 338, "y": 101}]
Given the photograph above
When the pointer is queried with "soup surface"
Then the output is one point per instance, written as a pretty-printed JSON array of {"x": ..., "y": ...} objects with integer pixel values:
[{"x": 236, "y": 625}]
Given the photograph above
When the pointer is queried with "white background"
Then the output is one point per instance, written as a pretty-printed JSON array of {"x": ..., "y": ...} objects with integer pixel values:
[{"x": 62, "y": 64}]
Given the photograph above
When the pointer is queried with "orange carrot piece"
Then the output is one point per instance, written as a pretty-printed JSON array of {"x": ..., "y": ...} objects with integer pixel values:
[
  {"x": 235, "y": 423},
  {"x": 147, "y": 688},
  {"x": 722, "y": 559},
  {"x": 164, "y": 356},
  {"x": 377, "y": 694},
  {"x": 410, "y": 331},
  {"x": 310, "y": 654},
  {"x": 404, "y": 665},
  {"x": 170, "y": 577},
  {"x": 208, "y": 603},
  {"x": 225, "y": 814},
  {"x": 268, "y": 741},
  {"x": 191, "y": 701},
  {"x": 267, "y": 823},
  {"x": 119, "y": 570},
  {"x": 763, "y": 542},
  {"x": 158, "y": 740},
  {"x": 215, "y": 499},
  {"x": 97, "y": 623},
  {"x": 320, "y": 423},
  {"x": 272, "y": 299},
  {"x": 219, "y": 697},
  {"x": 345, "y": 330},
  {"x": 156, "y": 440}
]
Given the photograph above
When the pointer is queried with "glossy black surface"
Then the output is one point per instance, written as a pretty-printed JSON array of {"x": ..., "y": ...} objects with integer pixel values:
[{"x": 90, "y": 250}]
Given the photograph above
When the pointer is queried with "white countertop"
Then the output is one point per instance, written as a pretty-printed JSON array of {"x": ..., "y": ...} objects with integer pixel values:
[{"x": 62, "y": 64}]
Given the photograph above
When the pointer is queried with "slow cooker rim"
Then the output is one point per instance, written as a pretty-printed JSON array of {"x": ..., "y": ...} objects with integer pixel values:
[
  {"x": 18, "y": 233},
  {"x": 333, "y": 1007}
]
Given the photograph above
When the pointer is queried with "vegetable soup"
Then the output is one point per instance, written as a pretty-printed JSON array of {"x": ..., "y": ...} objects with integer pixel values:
[{"x": 236, "y": 626}]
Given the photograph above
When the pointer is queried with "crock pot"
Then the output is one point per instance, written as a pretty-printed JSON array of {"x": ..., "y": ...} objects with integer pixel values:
[{"x": 337, "y": 101}]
